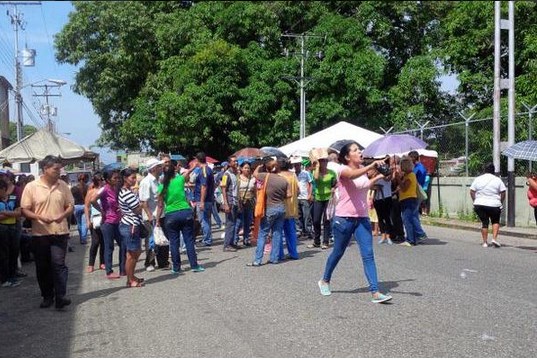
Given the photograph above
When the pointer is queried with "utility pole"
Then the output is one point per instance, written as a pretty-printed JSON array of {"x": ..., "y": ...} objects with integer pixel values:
[
  {"x": 499, "y": 84},
  {"x": 17, "y": 22},
  {"x": 303, "y": 55},
  {"x": 48, "y": 110}
]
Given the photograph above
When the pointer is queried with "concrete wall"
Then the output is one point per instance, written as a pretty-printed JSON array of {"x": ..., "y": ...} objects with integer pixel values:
[{"x": 455, "y": 199}]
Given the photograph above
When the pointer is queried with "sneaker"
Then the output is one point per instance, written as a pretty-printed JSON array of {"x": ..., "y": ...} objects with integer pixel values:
[
  {"x": 313, "y": 245},
  {"x": 406, "y": 244},
  {"x": 389, "y": 241},
  {"x": 484, "y": 245},
  {"x": 63, "y": 302},
  {"x": 324, "y": 246},
  {"x": 176, "y": 271},
  {"x": 6, "y": 284},
  {"x": 423, "y": 238},
  {"x": 14, "y": 282},
  {"x": 381, "y": 298},
  {"x": 324, "y": 287},
  {"x": 381, "y": 241},
  {"x": 496, "y": 244},
  {"x": 150, "y": 268},
  {"x": 20, "y": 274},
  {"x": 198, "y": 269},
  {"x": 46, "y": 303}
]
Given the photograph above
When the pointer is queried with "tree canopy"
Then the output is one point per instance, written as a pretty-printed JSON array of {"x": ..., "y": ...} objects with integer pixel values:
[{"x": 182, "y": 76}]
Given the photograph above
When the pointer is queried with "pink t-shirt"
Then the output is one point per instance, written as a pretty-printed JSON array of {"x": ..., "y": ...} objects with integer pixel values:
[{"x": 352, "y": 200}]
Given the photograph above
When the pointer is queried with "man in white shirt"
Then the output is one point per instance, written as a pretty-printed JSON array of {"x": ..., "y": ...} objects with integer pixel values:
[{"x": 148, "y": 199}]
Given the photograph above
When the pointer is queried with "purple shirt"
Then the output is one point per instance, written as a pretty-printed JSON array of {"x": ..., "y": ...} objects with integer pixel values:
[{"x": 109, "y": 205}]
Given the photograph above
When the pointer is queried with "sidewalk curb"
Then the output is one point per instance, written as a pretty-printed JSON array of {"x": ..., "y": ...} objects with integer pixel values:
[{"x": 475, "y": 227}]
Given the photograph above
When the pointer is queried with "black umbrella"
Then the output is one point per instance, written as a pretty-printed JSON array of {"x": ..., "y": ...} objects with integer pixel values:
[
  {"x": 338, "y": 145},
  {"x": 273, "y": 151}
]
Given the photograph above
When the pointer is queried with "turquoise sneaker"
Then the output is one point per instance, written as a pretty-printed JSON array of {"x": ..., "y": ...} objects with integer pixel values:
[
  {"x": 324, "y": 287},
  {"x": 198, "y": 269},
  {"x": 381, "y": 298}
]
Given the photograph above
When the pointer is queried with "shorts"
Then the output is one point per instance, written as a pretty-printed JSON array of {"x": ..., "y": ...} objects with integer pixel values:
[
  {"x": 130, "y": 236},
  {"x": 485, "y": 213}
]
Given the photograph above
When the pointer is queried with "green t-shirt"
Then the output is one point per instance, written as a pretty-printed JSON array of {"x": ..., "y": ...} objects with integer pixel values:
[
  {"x": 175, "y": 195},
  {"x": 323, "y": 186}
]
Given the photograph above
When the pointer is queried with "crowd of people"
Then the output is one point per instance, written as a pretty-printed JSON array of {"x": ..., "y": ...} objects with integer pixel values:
[{"x": 271, "y": 203}]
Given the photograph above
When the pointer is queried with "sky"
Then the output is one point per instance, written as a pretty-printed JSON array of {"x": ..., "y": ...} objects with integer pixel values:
[{"x": 75, "y": 118}]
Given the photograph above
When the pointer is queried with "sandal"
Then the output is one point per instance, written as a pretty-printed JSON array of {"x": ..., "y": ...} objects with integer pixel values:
[
  {"x": 140, "y": 280},
  {"x": 89, "y": 269},
  {"x": 134, "y": 284}
]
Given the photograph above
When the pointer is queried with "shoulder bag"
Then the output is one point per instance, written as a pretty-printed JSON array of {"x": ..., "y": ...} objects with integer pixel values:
[{"x": 261, "y": 201}]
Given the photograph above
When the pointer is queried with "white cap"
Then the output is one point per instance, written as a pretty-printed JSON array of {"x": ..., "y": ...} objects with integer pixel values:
[{"x": 152, "y": 163}]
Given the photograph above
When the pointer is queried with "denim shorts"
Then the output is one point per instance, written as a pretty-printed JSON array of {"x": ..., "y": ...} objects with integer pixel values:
[{"x": 130, "y": 236}]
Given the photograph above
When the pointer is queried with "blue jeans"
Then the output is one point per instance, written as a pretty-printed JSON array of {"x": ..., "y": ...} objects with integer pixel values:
[
  {"x": 304, "y": 216},
  {"x": 343, "y": 228},
  {"x": 289, "y": 229},
  {"x": 245, "y": 220},
  {"x": 111, "y": 233},
  {"x": 81, "y": 223},
  {"x": 216, "y": 216},
  {"x": 411, "y": 220},
  {"x": 273, "y": 220},
  {"x": 204, "y": 217},
  {"x": 230, "y": 236},
  {"x": 177, "y": 223}
]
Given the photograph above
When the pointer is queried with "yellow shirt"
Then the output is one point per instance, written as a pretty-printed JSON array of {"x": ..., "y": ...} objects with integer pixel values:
[
  {"x": 291, "y": 203},
  {"x": 411, "y": 190},
  {"x": 43, "y": 200}
]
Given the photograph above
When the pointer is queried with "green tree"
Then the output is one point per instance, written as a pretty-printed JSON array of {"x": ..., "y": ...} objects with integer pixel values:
[
  {"x": 162, "y": 76},
  {"x": 27, "y": 130}
]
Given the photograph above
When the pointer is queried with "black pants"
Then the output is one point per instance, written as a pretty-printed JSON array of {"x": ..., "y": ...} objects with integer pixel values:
[
  {"x": 319, "y": 216},
  {"x": 50, "y": 268},
  {"x": 384, "y": 208},
  {"x": 397, "y": 222},
  {"x": 97, "y": 244},
  {"x": 163, "y": 252},
  {"x": 9, "y": 251}
]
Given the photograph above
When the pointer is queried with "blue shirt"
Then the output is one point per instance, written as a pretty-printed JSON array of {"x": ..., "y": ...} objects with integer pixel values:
[
  {"x": 420, "y": 172},
  {"x": 203, "y": 177}
]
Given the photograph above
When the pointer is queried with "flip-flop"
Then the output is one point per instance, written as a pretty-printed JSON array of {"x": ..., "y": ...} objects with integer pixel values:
[{"x": 135, "y": 284}]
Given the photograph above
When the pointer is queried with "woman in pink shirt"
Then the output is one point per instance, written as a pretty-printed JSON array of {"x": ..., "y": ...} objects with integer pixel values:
[
  {"x": 352, "y": 217},
  {"x": 111, "y": 216}
]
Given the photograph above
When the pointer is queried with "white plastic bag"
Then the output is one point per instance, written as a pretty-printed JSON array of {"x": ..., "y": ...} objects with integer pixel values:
[{"x": 160, "y": 238}]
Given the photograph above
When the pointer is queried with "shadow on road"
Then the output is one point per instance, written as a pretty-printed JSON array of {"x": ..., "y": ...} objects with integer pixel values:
[{"x": 387, "y": 286}]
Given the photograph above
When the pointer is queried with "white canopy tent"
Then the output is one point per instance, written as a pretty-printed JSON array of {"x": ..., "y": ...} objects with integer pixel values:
[
  {"x": 37, "y": 146},
  {"x": 324, "y": 138}
]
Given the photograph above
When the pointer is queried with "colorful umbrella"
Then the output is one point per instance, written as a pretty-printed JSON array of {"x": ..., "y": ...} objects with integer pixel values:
[{"x": 249, "y": 152}]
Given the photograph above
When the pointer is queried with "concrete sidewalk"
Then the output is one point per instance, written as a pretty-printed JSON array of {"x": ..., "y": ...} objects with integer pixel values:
[{"x": 521, "y": 232}]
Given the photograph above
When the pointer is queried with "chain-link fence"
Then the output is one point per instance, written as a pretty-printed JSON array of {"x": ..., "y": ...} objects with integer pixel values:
[{"x": 464, "y": 146}]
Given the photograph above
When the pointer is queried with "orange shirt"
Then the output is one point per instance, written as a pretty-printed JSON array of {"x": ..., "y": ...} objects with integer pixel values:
[{"x": 43, "y": 200}]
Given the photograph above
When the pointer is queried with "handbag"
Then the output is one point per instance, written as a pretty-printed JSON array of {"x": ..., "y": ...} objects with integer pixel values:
[
  {"x": 421, "y": 194},
  {"x": 144, "y": 232},
  {"x": 159, "y": 237},
  {"x": 261, "y": 202},
  {"x": 331, "y": 207}
]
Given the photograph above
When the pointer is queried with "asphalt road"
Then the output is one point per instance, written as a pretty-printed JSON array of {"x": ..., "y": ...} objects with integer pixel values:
[{"x": 452, "y": 298}]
